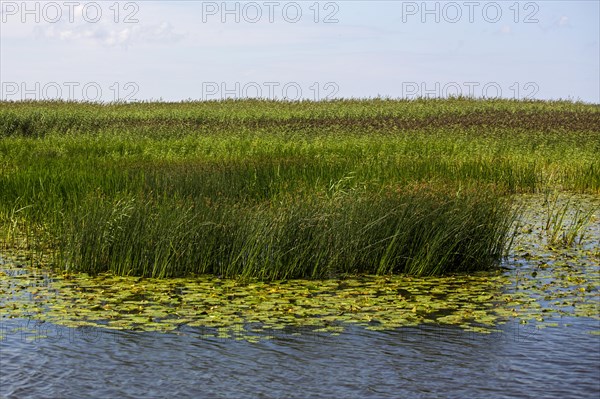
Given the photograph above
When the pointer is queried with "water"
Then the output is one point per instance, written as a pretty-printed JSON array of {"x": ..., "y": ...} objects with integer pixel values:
[{"x": 425, "y": 361}]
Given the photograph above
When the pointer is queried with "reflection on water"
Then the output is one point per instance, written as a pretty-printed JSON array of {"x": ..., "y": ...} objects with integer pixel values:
[{"x": 529, "y": 331}]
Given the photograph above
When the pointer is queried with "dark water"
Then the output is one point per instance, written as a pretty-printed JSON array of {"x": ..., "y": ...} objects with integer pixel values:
[{"x": 418, "y": 362}]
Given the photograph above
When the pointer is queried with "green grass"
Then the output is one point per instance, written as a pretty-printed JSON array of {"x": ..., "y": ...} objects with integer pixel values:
[
  {"x": 279, "y": 190},
  {"x": 563, "y": 225},
  {"x": 419, "y": 231}
]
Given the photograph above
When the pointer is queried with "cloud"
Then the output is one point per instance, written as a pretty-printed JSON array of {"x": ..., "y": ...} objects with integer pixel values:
[
  {"x": 563, "y": 21},
  {"x": 110, "y": 35}
]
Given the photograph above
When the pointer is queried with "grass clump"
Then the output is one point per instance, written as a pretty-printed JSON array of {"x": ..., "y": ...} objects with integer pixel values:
[
  {"x": 420, "y": 230},
  {"x": 565, "y": 223}
]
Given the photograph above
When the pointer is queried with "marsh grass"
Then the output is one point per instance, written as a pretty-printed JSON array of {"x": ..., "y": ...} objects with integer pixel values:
[
  {"x": 279, "y": 190},
  {"x": 418, "y": 231},
  {"x": 565, "y": 222}
]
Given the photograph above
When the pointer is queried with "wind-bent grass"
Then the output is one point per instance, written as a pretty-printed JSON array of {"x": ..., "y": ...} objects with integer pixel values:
[{"x": 279, "y": 190}]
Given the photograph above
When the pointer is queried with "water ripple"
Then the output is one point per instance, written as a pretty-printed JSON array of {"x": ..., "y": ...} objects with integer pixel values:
[{"x": 425, "y": 361}]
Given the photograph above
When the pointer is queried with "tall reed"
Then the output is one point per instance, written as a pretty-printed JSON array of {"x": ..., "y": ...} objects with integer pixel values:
[{"x": 421, "y": 230}]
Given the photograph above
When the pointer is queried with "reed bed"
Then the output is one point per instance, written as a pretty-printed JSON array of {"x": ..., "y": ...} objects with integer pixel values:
[
  {"x": 418, "y": 231},
  {"x": 280, "y": 190}
]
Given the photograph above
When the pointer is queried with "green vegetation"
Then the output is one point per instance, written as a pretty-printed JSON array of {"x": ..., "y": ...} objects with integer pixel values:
[
  {"x": 551, "y": 285},
  {"x": 561, "y": 227},
  {"x": 285, "y": 190}
]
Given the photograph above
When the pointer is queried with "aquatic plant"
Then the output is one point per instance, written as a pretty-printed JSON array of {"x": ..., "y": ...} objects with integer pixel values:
[{"x": 563, "y": 224}]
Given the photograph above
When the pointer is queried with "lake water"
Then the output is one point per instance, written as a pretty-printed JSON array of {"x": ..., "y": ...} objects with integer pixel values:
[
  {"x": 422, "y": 362},
  {"x": 534, "y": 333}
]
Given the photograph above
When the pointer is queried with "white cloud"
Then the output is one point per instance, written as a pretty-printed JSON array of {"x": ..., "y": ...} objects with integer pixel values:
[
  {"x": 108, "y": 34},
  {"x": 558, "y": 23}
]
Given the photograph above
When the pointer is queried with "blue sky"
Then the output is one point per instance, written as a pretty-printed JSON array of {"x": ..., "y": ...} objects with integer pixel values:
[{"x": 141, "y": 50}]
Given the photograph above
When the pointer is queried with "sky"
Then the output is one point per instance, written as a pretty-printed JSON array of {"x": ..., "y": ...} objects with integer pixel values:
[{"x": 209, "y": 50}]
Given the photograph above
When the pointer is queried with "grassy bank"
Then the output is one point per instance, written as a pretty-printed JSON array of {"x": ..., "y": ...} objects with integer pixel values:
[{"x": 277, "y": 190}]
